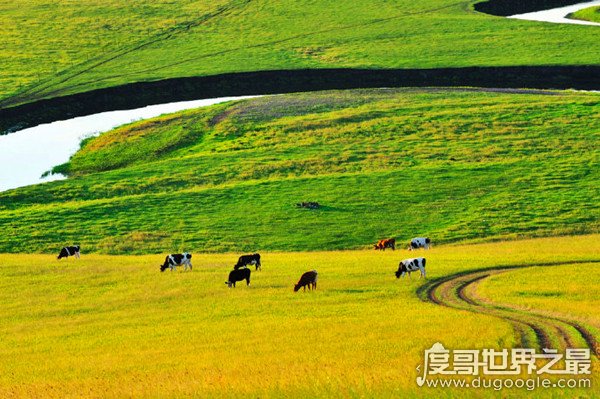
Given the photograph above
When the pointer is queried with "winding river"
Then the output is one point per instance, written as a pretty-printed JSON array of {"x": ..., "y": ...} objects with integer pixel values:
[
  {"x": 27, "y": 154},
  {"x": 559, "y": 15}
]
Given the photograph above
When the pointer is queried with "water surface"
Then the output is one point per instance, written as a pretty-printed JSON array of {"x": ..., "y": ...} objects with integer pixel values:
[{"x": 559, "y": 15}]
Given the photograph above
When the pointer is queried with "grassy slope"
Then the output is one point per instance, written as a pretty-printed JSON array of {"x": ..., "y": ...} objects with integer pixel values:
[
  {"x": 114, "y": 326},
  {"x": 451, "y": 164},
  {"x": 91, "y": 44},
  {"x": 587, "y": 14}
]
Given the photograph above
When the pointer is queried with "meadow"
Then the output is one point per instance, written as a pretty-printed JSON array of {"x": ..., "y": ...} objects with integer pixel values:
[
  {"x": 481, "y": 171},
  {"x": 96, "y": 44},
  {"x": 114, "y": 326},
  {"x": 462, "y": 164}
]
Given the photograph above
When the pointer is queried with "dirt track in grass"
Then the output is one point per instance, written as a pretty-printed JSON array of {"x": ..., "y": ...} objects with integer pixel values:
[{"x": 533, "y": 328}]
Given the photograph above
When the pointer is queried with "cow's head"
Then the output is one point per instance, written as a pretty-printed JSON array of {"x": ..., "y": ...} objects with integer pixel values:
[
  {"x": 401, "y": 268},
  {"x": 163, "y": 267},
  {"x": 296, "y": 287},
  {"x": 229, "y": 283}
]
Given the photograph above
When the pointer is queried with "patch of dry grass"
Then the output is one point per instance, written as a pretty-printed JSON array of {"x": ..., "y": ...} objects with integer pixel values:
[{"x": 114, "y": 326}]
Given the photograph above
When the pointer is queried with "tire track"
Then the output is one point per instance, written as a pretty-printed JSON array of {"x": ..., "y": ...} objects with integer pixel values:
[{"x": 533, "y": 329}]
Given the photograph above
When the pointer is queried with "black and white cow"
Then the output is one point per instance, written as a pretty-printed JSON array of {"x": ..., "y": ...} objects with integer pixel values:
[
  {"x": 246, "y": 260},
  {"x": 411, "y": 265},
  {"x": 174, "y": 260},
  {"x": 69, "y": 251},
  {"x": 419, "y": 242},
  {"x": 238, "y": 275}
]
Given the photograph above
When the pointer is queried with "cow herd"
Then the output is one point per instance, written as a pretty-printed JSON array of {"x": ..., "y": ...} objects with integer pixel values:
[{"x": 241, "y": 271}]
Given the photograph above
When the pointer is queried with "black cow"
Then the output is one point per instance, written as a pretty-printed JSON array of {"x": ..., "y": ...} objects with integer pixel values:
[
  {"x": 69, "y": 251},
  {"x": 238, "y": 275},
  {"x": 174, "y": 260},
  {"x": 307, "y": 279},
  {"x": 246, "y": 260}
]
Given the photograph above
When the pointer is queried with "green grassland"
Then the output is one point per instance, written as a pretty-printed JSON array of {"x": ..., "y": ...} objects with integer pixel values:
[
  {"x": 93, "y": 44},
  {"x": 460, "y": 164},
  {"x": 587, "y": 14},
  {"x": 114, "y": 326}
]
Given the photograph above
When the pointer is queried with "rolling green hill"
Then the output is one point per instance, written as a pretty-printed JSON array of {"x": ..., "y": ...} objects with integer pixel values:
[
  {"x": 53, "y": 48},
  {"x": 454, "y": 164}
]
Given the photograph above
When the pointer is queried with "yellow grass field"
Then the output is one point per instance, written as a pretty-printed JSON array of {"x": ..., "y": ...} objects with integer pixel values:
[{"x": 114, "y": 326}]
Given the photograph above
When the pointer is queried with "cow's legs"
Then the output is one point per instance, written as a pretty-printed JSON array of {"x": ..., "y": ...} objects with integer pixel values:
[{"x": 77, "y": 255}]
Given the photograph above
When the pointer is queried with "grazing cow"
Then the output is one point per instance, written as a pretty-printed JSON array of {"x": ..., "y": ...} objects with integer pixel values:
[
  {"x": 174, "y": 260},
  {"x": 307, "y": 279},
  {"x": 411, "y": 265},
  {"x": 69, "y": 251},
  {"x": 309, "y": 205},
  {"x": 246, "y": 260},
  {"x": 387, "y": 243},
  {"x": 238, "y": 275},
  {"x": 419, "y": 242}
]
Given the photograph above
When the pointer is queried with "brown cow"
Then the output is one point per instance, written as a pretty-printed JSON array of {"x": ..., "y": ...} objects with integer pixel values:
[
  {"x": 307, "y": 279},
  {"x": 387, "y": 243}
]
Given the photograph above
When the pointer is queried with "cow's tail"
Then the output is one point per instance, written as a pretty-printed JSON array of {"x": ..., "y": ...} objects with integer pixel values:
[{"x": 424, "y": 260}]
